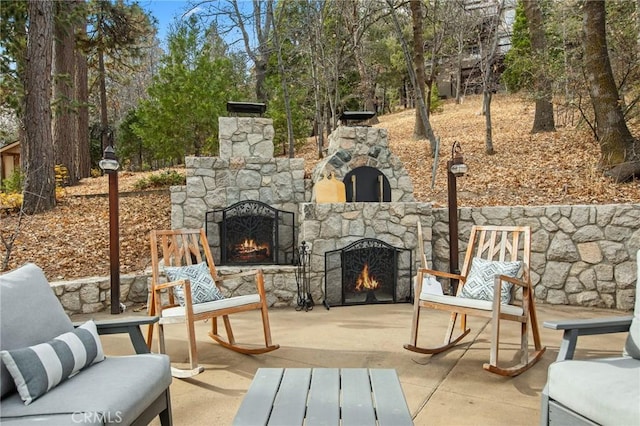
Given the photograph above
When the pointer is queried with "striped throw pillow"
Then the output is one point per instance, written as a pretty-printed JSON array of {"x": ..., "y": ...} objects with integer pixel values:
[{"x": 39, "y": 368}]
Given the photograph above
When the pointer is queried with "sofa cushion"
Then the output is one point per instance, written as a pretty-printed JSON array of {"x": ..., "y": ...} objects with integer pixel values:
[
  {"x": 614, "y": 400},
  {"x": 481, "y": 279},
  {"x": 30, "y": 313},
  {"x": 116, "y": 391},
  {"x": 39, "y": 368},
  {"x": 203, "y": 288},
  {"x": 632, "y": 345}
]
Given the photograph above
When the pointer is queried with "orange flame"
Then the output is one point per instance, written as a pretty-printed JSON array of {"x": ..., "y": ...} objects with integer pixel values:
[
  {"x": 250, "y": 246},
  {"x": 365, "y": 281}
]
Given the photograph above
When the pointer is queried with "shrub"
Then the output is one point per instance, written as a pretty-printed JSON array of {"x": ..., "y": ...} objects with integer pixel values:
[
  {"x": 161, "y": 180},
  {"x": 11, "y": 201},
  {"x": 13, "y": 184},
  {"x": 62, "y": 175}
]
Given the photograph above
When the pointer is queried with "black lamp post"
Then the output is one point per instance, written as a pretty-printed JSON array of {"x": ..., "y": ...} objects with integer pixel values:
[
  {"x": 109, "y": 164},
  {"x": 455, "y": 169}
]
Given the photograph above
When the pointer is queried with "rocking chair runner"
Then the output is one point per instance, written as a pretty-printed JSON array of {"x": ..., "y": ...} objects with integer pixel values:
[
  {"x": 183, "y": 247},
  {"x": 492, "y": 243}
]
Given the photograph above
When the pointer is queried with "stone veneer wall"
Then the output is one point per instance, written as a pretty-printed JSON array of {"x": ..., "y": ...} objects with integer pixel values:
[
  {"x": 581, "y": 255},
  {"x": 93, "y": 294},
  {"x": 245, "y": 137},
  {"x": 216, "y": 183},
  {"x": 334, "y": 226}
]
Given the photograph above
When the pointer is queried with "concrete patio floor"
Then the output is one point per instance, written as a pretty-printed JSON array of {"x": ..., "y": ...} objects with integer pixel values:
[{"x": 444, "y": 389}]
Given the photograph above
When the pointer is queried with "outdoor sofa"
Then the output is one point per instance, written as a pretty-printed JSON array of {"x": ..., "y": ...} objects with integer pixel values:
[
  {"x": 63, "y": 376},
  {"x": 591, "y": 391}
]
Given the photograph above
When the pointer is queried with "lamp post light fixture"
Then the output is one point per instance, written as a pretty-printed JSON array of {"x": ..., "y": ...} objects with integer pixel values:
[
  {"x": 109, "y": 164},
  {"x": 455, "y": 169}
]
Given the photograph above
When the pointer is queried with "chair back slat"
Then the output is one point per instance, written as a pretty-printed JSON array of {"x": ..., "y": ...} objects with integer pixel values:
[
  {"x": 499, "y": 243},
  {"x": 422, "y": 255},
  {"x": 180, "y": 247}
]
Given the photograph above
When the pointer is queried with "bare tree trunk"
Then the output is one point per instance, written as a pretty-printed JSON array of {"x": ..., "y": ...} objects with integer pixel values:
[
  {"x": 83, "y": 156},
  {"x": 486, "y": 107},
  {"x": 104, "y": 117},
  {"x": 419, "y": 131},
  {"x": 102, "y": 77},
  {"x": 488, "y": 84},
  {"x": 37, "y": 154},
  {"x": 459, "y": 93},
  {"x": 316, "y": 58},
  {"x": 620, "y": 152},
  {"x": 283, "y": 79},
  {"x": 420, "y": 105},
  {"x": 262, "y": 29},
  {"x": 65, "y": 119},
  {"x": 356, "y": 27},
  {"x": 543, "y": 120}
]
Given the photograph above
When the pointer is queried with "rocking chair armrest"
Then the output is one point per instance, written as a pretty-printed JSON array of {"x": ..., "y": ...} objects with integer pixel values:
[
  {"x": 586, "y": 327},
  {"x": 514, "y": 281},
  {"x": 442, "y": 274},
  {"x": 186, "y": 283},
  {"x": 159, "y": 287}
]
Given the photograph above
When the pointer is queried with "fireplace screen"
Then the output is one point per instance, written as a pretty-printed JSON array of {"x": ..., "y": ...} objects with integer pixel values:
[
  {"x": 367, "y": 271},
  {"x": 251, "y": 233}
]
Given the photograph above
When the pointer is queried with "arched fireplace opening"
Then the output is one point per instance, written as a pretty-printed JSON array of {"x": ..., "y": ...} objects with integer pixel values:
[{"x": 367, "y": 184}]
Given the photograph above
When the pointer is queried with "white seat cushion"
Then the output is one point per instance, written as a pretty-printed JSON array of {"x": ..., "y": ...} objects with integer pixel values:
[
  {"x": 215, "y": 305},
  {"x": 485, "y": 305},
  {"x": 606, "y": 390}
]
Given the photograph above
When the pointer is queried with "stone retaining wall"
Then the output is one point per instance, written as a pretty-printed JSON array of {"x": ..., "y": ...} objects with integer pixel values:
[
  {"x": 90, "y": 295},
  {"x": 93, "y": 294},
  {"x": 581, "y": 255}
]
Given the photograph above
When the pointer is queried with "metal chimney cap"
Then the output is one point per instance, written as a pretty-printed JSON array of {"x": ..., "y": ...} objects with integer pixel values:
[
  {"x": 246, "y": 108},
  {"x": 356, "y": 115}
]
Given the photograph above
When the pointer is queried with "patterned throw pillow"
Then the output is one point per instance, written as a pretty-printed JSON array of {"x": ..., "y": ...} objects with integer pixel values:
[
  {"x": 39, "y": 368},
  {"x": 203, "y": 288},
  {"x": 481, "y": 278}
]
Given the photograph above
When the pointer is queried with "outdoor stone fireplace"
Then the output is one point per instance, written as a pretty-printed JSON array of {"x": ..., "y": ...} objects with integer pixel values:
[{"x": 246, "y": 171}]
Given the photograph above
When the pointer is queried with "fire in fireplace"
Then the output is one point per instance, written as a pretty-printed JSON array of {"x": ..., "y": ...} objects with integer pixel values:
[
  {"x": 251, "y": 233},
  {"x": 367, "y": 271}
]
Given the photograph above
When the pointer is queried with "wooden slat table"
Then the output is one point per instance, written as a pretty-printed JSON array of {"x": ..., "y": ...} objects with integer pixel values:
[{"x": 324, "y": 396}]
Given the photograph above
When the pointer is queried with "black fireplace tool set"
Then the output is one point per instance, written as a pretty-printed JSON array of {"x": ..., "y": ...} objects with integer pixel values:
[{"x": 303, "y": 278}]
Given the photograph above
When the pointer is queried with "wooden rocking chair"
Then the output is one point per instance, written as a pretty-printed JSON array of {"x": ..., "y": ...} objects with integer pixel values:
[
  {"x": 181, "y": 248},
  {"x": 504, "y": 244}
]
